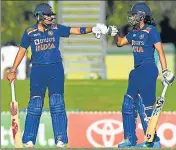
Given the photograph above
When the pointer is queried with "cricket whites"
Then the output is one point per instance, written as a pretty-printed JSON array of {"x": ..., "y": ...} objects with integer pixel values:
[
  {"x": 155, "y": 116},
  {"x": 15, "y": 120}
]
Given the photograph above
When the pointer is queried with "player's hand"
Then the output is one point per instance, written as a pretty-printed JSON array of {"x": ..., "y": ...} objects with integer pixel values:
[
  {"x": 167, "y": 77},
  {"x": 102, "y": 27},
  {"x": 112, "y": 30},
  {"x": 97, "y": 33},
  {"x": 11, "y": 76}
]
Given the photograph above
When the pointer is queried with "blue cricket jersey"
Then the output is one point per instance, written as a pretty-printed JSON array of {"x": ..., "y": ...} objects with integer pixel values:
[
  {"x": 142, "y": 42},
  {"x": 44, "y": 45}
]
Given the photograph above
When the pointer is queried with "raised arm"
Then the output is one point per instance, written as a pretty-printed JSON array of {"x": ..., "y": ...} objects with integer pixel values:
[
  {"x": 120, "y": 41},
  {"x": 80, "y": 30},
  {"x": 98, "y": 30}
]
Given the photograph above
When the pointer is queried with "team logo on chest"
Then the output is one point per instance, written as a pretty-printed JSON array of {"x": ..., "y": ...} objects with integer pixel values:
[
  {"x": 141, "y": 36},
  {"x": 50, "y": 33},
  {"x": 44, "y": 44}
]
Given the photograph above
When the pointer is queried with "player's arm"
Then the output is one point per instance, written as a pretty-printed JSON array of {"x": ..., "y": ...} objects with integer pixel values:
[
  {"x": 18, "y": 59},
  {"x": 156, "y": 41},
  {"x": 25, "y": 42},
  {"x": 80, "y": 30},
  {"x": 120, "y": 41},
  {"x": 97, "y": 30},
  {"x": 162, "y": 57},
  {"x": 12, "y": 74},
  {"x": 168, "y": 76}
]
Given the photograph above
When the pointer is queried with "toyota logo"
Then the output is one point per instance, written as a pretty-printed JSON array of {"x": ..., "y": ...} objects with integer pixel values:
[{"x": 107, "y": 129}]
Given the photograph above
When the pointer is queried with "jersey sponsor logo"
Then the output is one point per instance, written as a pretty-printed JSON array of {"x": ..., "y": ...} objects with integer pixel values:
[
  {"x": 138, "y": 49},
  {"x": 45, "y": 40},
  {"x": 44, "y": 44},
  {"x": 137, "y": 42},
  {"x": 47, "y": 46},
  {"x": 137, "y": 46}
]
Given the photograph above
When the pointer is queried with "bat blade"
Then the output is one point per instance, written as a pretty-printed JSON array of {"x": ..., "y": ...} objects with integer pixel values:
[
  {"x": 152, "y": 124},
  {"x": 15, "y": 120}
]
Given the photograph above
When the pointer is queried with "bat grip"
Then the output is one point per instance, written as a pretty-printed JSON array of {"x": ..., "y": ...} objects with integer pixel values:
[
  {"x": 13, "y": 91},
  {"x": 164, "y": 90}
]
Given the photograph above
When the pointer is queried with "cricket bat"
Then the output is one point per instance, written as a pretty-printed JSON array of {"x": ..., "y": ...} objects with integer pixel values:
[
  {"x": 15, "y": 120},
  {"x": 152, "y": 124}
]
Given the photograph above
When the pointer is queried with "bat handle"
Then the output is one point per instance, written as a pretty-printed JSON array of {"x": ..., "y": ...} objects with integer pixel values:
[
  {"x": 13, "y": 91},
  {"x": 164, "y": 90}
]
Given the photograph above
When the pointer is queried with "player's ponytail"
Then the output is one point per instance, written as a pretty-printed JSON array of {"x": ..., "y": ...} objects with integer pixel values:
[{"x": 149, "y": 20}]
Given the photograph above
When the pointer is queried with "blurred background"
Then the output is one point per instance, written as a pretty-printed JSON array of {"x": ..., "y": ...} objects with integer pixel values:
[{"x": 96, "y": 71}]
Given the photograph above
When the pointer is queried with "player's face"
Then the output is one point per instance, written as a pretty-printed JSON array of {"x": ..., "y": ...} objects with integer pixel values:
[
  {"x": 48, "y": 19},
  {"x": 132, "y": 19}
]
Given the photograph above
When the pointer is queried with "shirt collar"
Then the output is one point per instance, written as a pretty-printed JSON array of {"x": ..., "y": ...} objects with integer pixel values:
[
  {"x": 36, "y": 26},
  {"x": 138, "y": 29},
  {"x": 145, "y": 25}
]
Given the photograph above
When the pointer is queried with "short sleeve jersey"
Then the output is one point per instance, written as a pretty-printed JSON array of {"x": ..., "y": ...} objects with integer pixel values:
[
  {"x": 44, "y": 45},
  {"x": 142, "y": 42}
]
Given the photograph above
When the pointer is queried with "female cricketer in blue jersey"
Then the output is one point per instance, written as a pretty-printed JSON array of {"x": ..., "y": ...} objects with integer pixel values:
[
  {"x": 140, "y": 95},
  {"x": 47, "y": 72}
]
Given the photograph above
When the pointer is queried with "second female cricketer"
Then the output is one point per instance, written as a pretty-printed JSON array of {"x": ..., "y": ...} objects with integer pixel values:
[{"x": 140, "y": 95}]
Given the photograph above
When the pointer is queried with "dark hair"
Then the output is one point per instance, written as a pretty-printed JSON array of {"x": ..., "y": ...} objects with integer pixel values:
[{"x": 149, "y": 20}]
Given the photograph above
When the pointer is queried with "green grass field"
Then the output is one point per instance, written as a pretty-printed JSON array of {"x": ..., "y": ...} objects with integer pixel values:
[{"x": 84, "y": 95}]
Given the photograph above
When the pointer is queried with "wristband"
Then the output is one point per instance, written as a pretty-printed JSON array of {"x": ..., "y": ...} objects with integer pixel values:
[{"x": 83, "y": 30}]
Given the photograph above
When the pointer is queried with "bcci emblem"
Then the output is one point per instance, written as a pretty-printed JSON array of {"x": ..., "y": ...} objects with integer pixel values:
[
  {"x": 50, "y": 33},
  {"x": 141, "y": 36}
]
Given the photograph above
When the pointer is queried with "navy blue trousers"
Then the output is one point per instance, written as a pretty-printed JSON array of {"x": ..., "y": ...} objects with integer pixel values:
[
  {"x": 43, "y": 76},
  {"x": 142, "y": 80}
]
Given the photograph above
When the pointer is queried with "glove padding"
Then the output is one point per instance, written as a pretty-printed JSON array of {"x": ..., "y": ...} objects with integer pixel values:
[
  {"x": 97, "y": 32},
  {"x": 168, "y": 77},
  {"x": 101, "y": 28},
  {"x": 112, "y": 30}
]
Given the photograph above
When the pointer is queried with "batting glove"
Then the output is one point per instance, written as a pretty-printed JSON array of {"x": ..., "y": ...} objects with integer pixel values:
[
  {"x": 112, "y": 30},
  {"x": 102, "y": 27},
  {"x": 97, "y": 32},
  {"x": 168, "y": 77}
]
